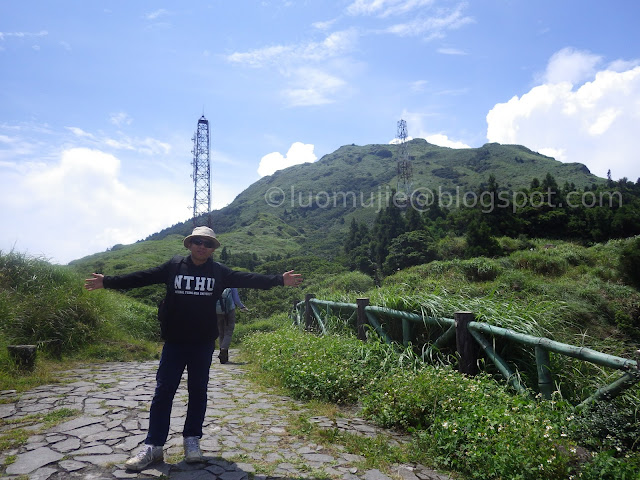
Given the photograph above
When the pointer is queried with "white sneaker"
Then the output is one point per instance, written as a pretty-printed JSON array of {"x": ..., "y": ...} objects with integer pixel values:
[
  {"x": 192, "y": 452},
  {"x": 147, "y": 455}
]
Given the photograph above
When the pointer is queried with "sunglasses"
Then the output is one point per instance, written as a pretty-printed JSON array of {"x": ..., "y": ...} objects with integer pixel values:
[{"x": 206, "y": 243}]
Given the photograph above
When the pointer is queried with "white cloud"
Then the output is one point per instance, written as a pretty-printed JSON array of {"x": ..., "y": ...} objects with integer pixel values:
[
  {"x": 594, "y": 123},
  {"x": 298, "y": 153},
  {"x": 334, "y": 44},
  {"x": 41, "y": 33},
  {"x": 120, "y": 119},
  {"x": 156, "y": 14},
  {"x": 396, "y": 141},
  {"x": 439, "y": 139},
  {"x": 451, "y": 51},
  {"x": 415, "y": 126},
  {"x": 442, "y": 140},
  {"x": 324, "y": 25},
  {"x": 570, "y": 65},
  {"x": 432, "y": 26},
  {"x": 418, "y": 85},
  {"x": 146, "y": 146},
  {"x": 417, "y": 17},
  {"x": 385, "y": 8},
  {"x": 311, "y": 86},
  {"x": 83, "y": 195},
  {"x": 78, "y": 132}
]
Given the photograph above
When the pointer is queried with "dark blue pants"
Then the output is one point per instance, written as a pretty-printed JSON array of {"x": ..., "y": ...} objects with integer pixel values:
[{"x": 175, "y": 357}]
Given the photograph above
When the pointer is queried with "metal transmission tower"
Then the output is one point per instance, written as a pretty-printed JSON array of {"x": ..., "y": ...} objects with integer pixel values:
[
  {"x": 201, "y": 175},
  {"x": 404, "y": 164}
]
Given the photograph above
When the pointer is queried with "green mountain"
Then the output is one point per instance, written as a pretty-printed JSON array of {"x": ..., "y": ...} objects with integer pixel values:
[{"x": 308, "y": 208}]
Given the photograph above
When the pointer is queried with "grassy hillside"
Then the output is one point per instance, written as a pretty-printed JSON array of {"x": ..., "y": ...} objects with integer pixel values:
[{"x": 315, "y": 202}]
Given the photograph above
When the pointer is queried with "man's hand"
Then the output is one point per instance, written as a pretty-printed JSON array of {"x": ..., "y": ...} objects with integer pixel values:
[
  {"x": 291, "y": 279},
  {"x": 94, "y": 283}
]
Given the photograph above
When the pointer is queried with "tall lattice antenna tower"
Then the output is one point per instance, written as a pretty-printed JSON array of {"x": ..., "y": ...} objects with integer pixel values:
[
  {"x": 201, "y": 175},
  {"x": 405, "y": 168}
]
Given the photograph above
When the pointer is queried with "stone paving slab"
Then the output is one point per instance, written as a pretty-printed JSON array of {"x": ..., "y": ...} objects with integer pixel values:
[{"x": 246, "y": 432}]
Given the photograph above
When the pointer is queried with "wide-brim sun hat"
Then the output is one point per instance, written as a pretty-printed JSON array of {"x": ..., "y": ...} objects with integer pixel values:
[{"x": 203, "y": 232}]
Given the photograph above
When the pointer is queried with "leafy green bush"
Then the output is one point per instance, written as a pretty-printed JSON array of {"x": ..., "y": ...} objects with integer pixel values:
[
  {"x": 480, "y": 269},
  {"x": 607, "y": 426},
  {"x": 629, "y": 262},
  {"x": 605, "y": 466},
  {"x": 541, "y": 262},
  {"x": 451, "y": 247},
  {"x": 330, "y": 368},
  {"x": 246, "y": 327},
  {"x": 575, "y": 255},
  {"x": 344, "y": 282}
]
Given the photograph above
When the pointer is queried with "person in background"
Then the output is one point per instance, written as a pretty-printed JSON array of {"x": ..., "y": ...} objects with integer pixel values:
[
  {"x": 226, "y": 312},
  {"x": 189, "y": 328}
]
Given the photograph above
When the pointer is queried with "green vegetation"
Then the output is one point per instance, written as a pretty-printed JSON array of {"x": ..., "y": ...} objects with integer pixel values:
[
  {"x": 473, "y": 426},
  {"x": 401, "y": 237},
  {"x": 317, "y": 201},
  {"x": 578, "y": 285},
  {"x": 41, "y": 302},
  {"x": 477, "y": 426}
]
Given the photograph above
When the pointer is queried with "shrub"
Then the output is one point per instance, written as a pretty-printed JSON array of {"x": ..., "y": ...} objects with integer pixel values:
[
  {"x": 355, "y": 281},
  {"x": 629, "y": 262},
  {"x": 480, "y": 269},
  {"x": 330, "y": 368},
  {"x": 605, "y": 466},
  {"x": 607, "y": 426},
  {"x": 44, "y": 302},
  {"x": 449, "y": 248},
  {"x": 543, "y": 263},
  {"x": 245, "y": 327}
]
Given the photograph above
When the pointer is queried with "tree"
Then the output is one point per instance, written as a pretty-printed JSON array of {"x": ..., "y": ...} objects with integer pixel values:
[
  {"x": 408, "y": 249},
  {"x": 388, "y": 225},
  {"x": 352, "y": 237},
  {"x": 479, "y": 240},
  {"x": 413, "y": 219},
  {"x": 549, "y": 183}
]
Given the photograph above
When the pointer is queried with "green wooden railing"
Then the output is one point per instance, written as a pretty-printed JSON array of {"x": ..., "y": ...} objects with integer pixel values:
[{"x": 470, "y": 338}]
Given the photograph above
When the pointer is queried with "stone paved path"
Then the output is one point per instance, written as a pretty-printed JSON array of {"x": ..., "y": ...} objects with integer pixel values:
[{"x": 246, "y": 432}]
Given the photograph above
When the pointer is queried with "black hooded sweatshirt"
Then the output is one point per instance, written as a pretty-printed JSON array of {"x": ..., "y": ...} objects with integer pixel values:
[{"x": 192, "y": 292}]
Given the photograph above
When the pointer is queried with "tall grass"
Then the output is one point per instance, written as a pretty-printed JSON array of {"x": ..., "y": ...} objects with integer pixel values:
[{"x": 40, "y": 302}]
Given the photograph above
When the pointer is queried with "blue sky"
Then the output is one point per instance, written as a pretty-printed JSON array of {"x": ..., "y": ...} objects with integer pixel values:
[{"x": 99, "y": 100}]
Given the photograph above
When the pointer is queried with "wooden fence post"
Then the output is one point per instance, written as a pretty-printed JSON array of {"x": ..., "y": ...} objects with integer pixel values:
[
  {"x": 362, "y": 317},
  {"x": 308, "y": 313},
  {"x": 466, "y": 344}
]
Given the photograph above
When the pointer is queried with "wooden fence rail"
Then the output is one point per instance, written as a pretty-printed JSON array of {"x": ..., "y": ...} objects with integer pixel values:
[{"x": 470, "y": 338}]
